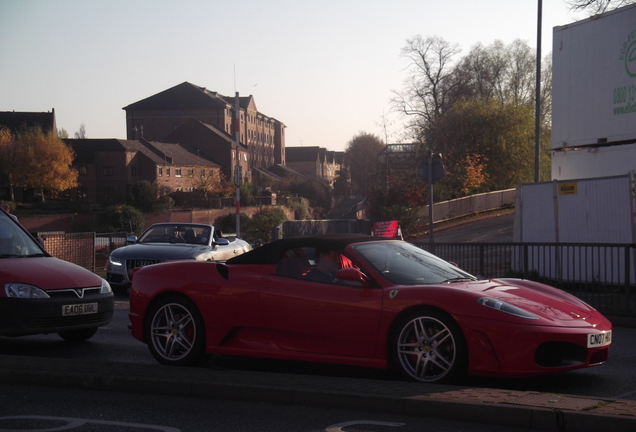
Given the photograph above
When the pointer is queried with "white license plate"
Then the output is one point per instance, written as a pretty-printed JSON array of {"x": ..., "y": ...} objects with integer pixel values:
[
  {"x": 79, "y": 309},
  {"x": 595, "y": 340}
]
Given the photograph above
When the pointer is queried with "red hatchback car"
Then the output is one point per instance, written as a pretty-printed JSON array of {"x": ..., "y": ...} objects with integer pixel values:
[
  {"x": 43, "y": 294},
  {"x": 364, "y": 301}
]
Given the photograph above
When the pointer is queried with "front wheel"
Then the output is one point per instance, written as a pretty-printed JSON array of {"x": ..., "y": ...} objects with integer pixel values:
[
  {"x": 175, "y": 333},
  {"x": 428, "y": 346}
]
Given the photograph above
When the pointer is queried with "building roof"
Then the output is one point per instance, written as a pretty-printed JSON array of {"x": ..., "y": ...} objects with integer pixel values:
[
  {"x": 16, "y": 121},
  {"x": 302, "y": 154},
  {"x": 187, "y": 96},
  {"x": 159, "y": 153}
]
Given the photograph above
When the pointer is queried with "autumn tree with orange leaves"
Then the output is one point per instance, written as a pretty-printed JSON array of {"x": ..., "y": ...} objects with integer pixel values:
[{"x": 35, "y": 159}]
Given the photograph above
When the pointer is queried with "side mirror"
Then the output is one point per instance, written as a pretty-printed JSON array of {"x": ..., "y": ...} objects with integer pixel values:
[
  {"x": 131, "y": 239},
  {"x": 353, "y": 275},
  {"x": 221, "y": 242}
]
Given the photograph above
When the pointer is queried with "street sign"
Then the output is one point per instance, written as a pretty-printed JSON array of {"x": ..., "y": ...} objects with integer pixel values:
[
  {"x": 431, "y": 168},
  {"x": 238, "y": 175}
]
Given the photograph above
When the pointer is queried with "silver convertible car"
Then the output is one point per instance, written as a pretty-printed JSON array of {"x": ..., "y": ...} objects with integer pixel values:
[{"x": 169, "y": 242}]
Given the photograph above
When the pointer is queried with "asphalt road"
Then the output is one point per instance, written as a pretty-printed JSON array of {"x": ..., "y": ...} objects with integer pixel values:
[
  {"x": 113, "y": 343},
  {"x": 26, "y": 408},
  {"x": 494, "y": 227}
]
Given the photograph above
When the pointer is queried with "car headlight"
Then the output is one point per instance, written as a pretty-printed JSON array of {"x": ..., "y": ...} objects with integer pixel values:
[
  {"x": 105, "y": 287},
  {"x": 502, "y": 306},
  {"x": 20, "y": 290},
  {"x": 115, "y": 261}
]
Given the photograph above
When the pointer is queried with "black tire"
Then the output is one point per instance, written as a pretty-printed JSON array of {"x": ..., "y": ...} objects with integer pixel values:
[
  {"x": 174, "y": 332},
  {"x": 428, "y": 346},
  {"x": 78, "y": 335}
]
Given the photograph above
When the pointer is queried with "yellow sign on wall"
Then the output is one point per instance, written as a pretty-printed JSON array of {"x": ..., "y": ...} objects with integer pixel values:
[{"x": 568, "y": 188}]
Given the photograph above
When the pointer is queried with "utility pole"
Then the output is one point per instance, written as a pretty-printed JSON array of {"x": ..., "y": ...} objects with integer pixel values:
[{"x": 238, "y": 177}]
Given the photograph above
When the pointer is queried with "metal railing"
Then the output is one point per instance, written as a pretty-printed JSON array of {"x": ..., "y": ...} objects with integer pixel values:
[{"x": 603, "y": 275}]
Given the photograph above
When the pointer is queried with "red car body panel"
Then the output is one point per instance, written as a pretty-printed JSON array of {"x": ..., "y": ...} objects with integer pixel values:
[{"x": 249, "y": 310}]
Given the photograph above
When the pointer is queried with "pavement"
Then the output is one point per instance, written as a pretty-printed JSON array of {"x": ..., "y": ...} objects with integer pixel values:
[{"x": 520, "y": 409}]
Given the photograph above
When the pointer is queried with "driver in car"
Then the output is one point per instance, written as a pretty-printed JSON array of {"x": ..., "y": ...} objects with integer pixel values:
[{"x": 326, "y": 268}]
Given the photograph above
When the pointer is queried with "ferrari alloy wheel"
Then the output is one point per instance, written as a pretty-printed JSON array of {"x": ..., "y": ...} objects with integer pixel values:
[
  {"x": 428, "y": 346},
  {"x": 174, "y": 332}
]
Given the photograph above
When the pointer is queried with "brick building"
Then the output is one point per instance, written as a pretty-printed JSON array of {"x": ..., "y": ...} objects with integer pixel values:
[
  {"x": 109, "y": 168},
  {"x": 159, "y": 117},
  {"x": 15, "y": 121},
  {"x": 315, "y": 162}
]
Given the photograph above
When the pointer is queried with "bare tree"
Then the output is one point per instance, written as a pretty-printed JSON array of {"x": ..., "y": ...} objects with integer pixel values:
[
  {"x": 81, "y": 134},
  {"x": 597, "y": 6},
  {"x": 431, "y": 84}
]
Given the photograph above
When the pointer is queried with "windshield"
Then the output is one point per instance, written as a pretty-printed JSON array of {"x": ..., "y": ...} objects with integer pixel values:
[
  {"x": 193, "y": 234},
  {"x": 402, "y": 263},
  {"x": 14, "y": 242}
]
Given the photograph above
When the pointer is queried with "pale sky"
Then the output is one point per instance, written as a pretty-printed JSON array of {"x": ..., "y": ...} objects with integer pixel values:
[{"x": 327, "y": 69}]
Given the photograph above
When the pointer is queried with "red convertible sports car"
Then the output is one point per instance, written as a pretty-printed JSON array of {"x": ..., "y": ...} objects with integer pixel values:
[{"x": 364, "y": 301}]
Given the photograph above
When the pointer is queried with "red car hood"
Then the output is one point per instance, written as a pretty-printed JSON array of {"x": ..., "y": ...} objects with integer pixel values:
[
  {"x": 47, "y": 273},
  {"x": 542, "y": 300}
]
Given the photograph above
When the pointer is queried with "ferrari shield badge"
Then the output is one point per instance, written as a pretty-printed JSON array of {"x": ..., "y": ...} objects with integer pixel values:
[{"x": 393, "y": 293}]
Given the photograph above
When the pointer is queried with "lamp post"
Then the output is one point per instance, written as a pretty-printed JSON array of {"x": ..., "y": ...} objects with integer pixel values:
[{"x": 537, "y": 108}]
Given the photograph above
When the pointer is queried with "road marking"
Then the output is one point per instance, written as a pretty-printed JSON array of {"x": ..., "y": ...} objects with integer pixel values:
[
  {"x": 338, "y": 427},
  {"x": 73, "y": 423}
]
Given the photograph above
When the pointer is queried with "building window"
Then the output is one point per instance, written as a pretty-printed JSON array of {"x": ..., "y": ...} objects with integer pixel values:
[
  {"x": 159, "y": 171},
  {"x": 82, "y": 194},
  {"x": 109, "y": 195},
  {"x": 202, "y": 173},
  {"x": 167, "y": 172},
  {"x": 190, "y": 172},
  {"x": 109, "y": 171},
  {"x": 133, "y": 171},
  {"x": 177, "y": 172}
]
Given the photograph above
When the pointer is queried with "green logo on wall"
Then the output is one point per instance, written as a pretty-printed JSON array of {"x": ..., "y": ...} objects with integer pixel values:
[{"x": 628, "y": 54}]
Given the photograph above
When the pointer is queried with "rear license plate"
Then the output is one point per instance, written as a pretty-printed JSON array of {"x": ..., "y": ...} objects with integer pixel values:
[
  {"x": 595, "y": 340},
  {"x": 79, "y": 309}
]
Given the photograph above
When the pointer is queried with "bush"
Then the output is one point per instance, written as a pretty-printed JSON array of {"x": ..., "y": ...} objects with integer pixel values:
[
  {"x": 227, "y": 224},
  {"x": 300, "y": 207},
  {"x": 262, "y": 223},
  {"x": 122, "y": 218}
]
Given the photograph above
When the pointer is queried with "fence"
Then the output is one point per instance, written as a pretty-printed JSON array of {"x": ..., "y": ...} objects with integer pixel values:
[
  {"x": 603, "y": 275},
  {"x": 88, "y": 250},
  {"x": 78, "y": 248},
  {"x": 316, "y": 227},
  {"x": 459, "y": 207}
]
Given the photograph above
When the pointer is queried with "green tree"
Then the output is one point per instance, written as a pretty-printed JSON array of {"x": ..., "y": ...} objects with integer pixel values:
[
  {"x": 316, "y": 191},
  {"x": 486, "y": 146},
  {"x": 150, "y": 197},
  {"x": 362, "y": 153}
]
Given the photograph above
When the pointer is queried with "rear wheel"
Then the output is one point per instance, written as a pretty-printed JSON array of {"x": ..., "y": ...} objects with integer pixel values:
[
  {"x": 428, "y": 346},
  {"x": 78, "y": 335},
  {"x": 174, "y": 332}
]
